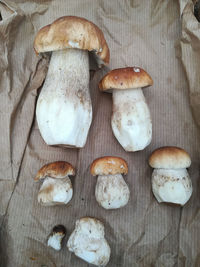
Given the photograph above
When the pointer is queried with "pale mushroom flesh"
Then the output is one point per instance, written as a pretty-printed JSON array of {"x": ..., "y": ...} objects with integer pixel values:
[
  {"x": 131, "y": 119},
  {"x": 56, "y": 237},
  {"x": 54, "y": 241},
  {"x": 88, "y": 243},
  {"x": 64, "y": 110},
  {"x": 172, "y": 185},
  {"x": 55, "y": 191},
  {"x": 111, "y": 191}
]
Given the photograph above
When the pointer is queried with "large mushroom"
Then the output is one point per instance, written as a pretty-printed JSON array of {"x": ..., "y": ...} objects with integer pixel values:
[
  {"x": 111, "y": 190},
  {"x": 64, "y": 110},
  {"x": 131, "y": 119},
  {"x": 87, "y": 241},
  {"x": 170, "y": 179},
  {"x": 57, "y": 187}
]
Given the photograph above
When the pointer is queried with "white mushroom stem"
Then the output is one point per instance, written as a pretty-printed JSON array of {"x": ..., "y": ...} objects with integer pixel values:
[
  {"x": 55, "y": 191},
  {"x": 55, "y": 240},
  {"x": 171, "y": 185},
  {"x": 111, "y": 191},
  {"x": 131, "y": 119},
  {"x": 64, "y": 110}
]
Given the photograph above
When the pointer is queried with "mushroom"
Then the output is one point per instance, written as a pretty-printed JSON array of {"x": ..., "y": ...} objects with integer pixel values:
[
  {"x": 64, "y": 110},
  {"x": 88, "y": 243},
  {"x": 56, "y": 237},
  {"x": 56, "y": 188},
  {"x": 111, "y": 190},
  {"x": 131, "y": 119},
  {"x": 170, "y": 179}
]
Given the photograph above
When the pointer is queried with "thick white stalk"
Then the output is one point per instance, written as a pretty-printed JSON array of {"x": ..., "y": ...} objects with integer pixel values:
[
  {"x": 131, "y": 119},
  {"x": 111, "y": 191},
  {"x": 171, "y": 185},
  {"x": 55, "y": 191},
  {"x": 64, "y": 110}
]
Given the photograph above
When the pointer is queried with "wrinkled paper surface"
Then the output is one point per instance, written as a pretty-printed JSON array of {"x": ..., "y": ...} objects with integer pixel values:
[{"x": 163, "y": 37}]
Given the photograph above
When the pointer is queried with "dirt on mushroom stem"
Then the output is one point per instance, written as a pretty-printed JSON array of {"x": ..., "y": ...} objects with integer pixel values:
[
  {"x": 131, "y": 119},
  {"x": 64, "y": 110},
  {"x": 172, "y": 185},
  {"x": 111, "y": 191}
]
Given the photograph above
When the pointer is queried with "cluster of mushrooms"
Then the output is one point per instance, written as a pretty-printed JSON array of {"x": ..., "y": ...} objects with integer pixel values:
[
  {"x": 87, "y": 241},
  {"x": 64, "y": 116}
]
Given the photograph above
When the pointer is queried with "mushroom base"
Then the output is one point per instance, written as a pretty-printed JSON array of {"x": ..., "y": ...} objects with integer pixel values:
[
  {"x": 88, "y": 243},
  {"x": 171, "y": 185},
  {"x": 111, "y": 191},
  {"x": 64, "y": 110},
  {"x": 55, "y": 191},
  {"x": 131, "y": 119},
  {"x": 54, "y": 241}
]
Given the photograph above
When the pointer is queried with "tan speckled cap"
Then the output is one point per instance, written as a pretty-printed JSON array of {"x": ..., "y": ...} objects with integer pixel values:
[
  {"x": 58, "y": 169},
  {"x": 169, "y": 157},
  {"x": 72, "y": 32},
  {"x": 125, "y": 78},
  {"x": 108, "y": 165}
]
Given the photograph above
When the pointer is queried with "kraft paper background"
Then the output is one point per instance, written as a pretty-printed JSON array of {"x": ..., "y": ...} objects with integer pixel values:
[{"x": 163, "y": 37}]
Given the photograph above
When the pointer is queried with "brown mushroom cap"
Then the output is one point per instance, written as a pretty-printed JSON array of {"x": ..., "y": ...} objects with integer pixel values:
[
  {"x": 125, "y": 78},
  {"x": 72, "y": 32},
  {"x": 58, "y": 169},
  {"x": 169, "y": 157},
  {"x": 88, "y": 219},
  {"x": 58, "y": 229},
  {"x": 108, "y": 165}
]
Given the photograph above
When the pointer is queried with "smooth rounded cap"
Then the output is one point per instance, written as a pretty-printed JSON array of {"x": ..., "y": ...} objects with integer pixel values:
[
  {"x": 58, "y": 169},
  {"x": 108, "y": 165},
  {"x": 59, "y": 229},
  {"x": 72, "y": 32},
  {"x": 125, "y": 78},
  {"x": 170, "y": 157}
]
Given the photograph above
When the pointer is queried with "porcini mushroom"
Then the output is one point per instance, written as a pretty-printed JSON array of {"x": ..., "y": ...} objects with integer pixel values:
[
  {"x": 170, "y": 179},
  {"x": 64, "y": 110},
  {"x": 56, "y": 237},
  {"x": 131, "y": 119},
  {"x": 87, "y": 241},
  {"x": 57, "y": 187},
  {"x": 111, "y": 190}
]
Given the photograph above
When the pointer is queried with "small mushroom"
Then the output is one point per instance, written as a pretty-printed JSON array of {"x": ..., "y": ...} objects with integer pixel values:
[
  {"x": 170, "y": 179},
  {"x": 56, "y": 188},
  {"x": 56, "y": 237},
  {"x": 111, "y": 190},
  {"x": 87, "y": 241},
  {"x": 131, "y": 119},
  {"x": 64, "y": 110}
]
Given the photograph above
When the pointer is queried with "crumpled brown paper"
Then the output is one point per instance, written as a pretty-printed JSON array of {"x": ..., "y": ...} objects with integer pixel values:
[
  {"x": 190, "y": 47},
  {"x": 144, "y": 233}
]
